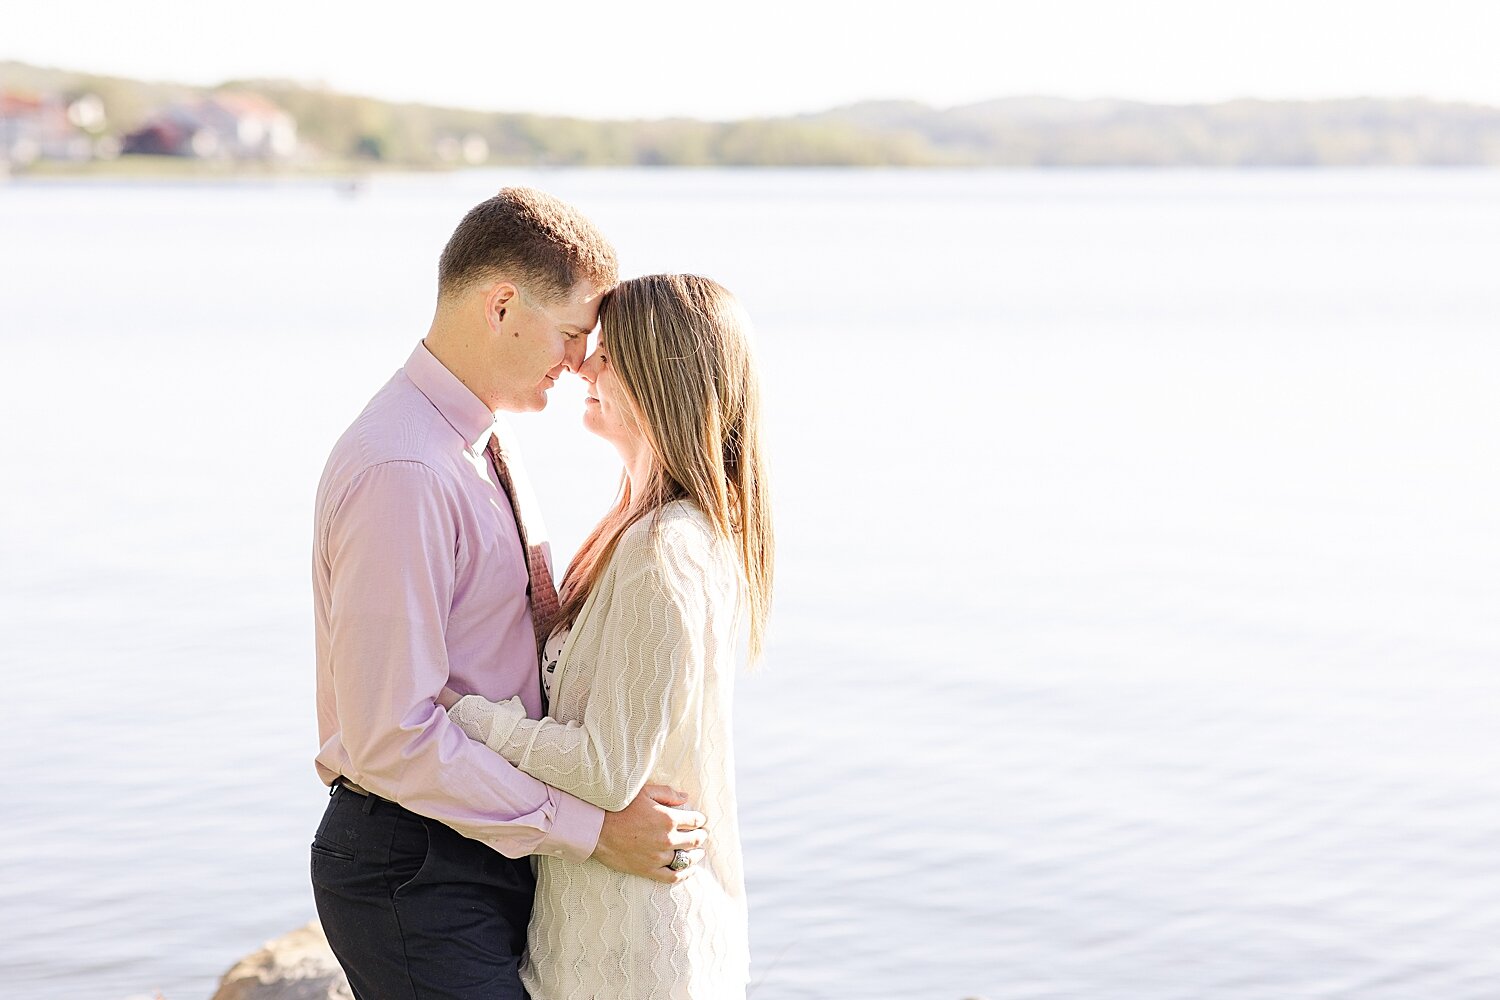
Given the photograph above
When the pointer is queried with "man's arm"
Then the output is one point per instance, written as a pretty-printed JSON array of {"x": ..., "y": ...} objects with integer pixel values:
[{"x": 390, "y": 548}]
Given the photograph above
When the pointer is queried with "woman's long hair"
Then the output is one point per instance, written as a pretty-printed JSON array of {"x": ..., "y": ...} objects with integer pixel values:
[{"x": 679, "y": 345}]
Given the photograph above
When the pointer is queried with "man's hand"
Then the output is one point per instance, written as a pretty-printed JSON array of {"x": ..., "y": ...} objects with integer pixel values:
[{"x": 640, "y": 839}]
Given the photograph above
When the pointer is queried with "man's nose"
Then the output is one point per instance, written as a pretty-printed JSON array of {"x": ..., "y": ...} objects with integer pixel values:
[{"x": 574, "y": 354}]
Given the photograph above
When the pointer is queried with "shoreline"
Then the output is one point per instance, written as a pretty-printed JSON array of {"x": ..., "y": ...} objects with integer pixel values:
[{"x": 173, "y": 170}]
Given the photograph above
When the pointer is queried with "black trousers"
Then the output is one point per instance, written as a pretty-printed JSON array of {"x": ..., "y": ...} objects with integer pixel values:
[{"x": 413, "y": 909}]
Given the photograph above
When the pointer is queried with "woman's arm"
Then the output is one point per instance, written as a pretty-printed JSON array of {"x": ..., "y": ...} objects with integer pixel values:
[{"x": 651, "y": 661}]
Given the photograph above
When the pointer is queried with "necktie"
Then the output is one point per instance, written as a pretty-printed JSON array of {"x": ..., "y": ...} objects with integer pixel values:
[{"x": 540, "y": 590}]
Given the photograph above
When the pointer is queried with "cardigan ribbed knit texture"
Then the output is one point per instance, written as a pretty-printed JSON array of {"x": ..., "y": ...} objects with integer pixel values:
[{"x": 643, "y": 694}]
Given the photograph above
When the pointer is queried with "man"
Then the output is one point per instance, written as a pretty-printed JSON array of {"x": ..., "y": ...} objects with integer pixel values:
[{"x": 425, "y": 577}]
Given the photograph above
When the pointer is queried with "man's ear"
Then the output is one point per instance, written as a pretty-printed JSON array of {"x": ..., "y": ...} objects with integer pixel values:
[{"x": 496, "y": 301}]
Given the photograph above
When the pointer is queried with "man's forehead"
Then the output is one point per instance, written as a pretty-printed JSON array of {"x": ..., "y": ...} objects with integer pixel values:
[
  {"x": 585, "y": 294},
  {"x": 581, "y": 307}
]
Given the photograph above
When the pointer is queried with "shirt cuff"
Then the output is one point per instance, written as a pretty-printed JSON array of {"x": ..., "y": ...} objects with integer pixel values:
[{"x": 575, "y": 829}]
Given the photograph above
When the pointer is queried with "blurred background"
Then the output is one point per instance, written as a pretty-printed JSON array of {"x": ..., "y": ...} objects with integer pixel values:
[{"x": 1132, "y": 375}]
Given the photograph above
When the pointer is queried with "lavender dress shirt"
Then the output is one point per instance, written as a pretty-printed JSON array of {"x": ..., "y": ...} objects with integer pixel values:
[{"x": 419, "y": 582}]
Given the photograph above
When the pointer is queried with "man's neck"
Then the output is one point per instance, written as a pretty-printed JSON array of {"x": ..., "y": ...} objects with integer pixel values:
[{"x": 444, "y": 345}]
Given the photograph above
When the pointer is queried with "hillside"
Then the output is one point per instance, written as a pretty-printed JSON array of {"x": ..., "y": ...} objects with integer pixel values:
[{"x": 1015, "y": 131}]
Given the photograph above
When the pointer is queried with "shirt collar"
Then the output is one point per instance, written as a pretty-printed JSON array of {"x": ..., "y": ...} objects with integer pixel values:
[{"x": 463, "y": 410}]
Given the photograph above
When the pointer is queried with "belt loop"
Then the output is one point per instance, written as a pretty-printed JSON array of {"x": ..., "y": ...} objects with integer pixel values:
[{"x": 369, "y": 804}]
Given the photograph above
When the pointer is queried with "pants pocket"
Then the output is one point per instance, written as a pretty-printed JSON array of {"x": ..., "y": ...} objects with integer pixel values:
[
  {"x": 339, "y": 835},
  {"x": 329, "y": 852},
  {"x": 412, "y": 855},
  {"x": 333, "y": 867}
]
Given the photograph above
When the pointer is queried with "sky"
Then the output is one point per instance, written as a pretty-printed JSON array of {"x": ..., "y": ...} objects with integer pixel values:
[{"x": 713, "y": 60}]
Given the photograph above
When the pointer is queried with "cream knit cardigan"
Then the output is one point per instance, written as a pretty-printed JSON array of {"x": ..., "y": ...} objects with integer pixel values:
[{"x": 642, "y": 694}]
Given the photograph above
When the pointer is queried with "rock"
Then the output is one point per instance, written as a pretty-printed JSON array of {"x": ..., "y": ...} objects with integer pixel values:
[{"x": 296, "y": 966}]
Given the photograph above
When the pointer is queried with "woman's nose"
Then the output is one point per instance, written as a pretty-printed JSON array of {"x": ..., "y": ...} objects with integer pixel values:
[{"x": 589, "y": 370}]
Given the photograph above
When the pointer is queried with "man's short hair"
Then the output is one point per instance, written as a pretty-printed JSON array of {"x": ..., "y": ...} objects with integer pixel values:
[{"x": 531, "y": 238}]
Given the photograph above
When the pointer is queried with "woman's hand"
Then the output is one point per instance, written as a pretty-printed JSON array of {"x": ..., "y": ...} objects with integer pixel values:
[{"x": 642, "y": 838}]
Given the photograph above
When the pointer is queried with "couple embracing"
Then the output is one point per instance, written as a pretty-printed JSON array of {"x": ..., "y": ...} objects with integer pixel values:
[{"x": 532, "y": 787}]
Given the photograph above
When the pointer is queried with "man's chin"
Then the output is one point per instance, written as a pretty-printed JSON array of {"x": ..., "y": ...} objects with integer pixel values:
[
  {"x": 537, "y": 400},
  {"x": 525, "y": 405},
  {"x": 543, "y": 393}
]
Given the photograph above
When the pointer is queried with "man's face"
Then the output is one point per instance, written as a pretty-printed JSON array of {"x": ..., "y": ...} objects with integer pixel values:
[{"x": 535, "y": 340}]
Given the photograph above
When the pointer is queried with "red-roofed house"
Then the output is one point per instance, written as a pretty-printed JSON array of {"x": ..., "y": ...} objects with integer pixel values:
[
  {"x": 45, "y": 127},
  {"x": 225, "y": 126}
]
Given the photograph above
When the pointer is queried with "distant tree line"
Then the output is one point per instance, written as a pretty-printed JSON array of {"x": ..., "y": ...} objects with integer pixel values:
[{"x": 1020, "y": 132}]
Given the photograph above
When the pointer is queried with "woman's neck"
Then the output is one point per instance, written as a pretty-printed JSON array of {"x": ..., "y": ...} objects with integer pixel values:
[{"x": 637, "y": 469}]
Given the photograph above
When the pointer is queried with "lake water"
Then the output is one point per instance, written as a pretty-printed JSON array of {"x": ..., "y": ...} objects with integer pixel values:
[{"x": 1139, "y": 611}]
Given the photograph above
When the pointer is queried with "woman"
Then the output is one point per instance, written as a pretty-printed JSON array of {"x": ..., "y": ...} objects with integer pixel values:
[{"x": 640, "y": 665}]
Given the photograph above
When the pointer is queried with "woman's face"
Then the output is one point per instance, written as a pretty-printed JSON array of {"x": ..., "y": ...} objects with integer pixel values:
[{"x": 608, "y": 411}]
